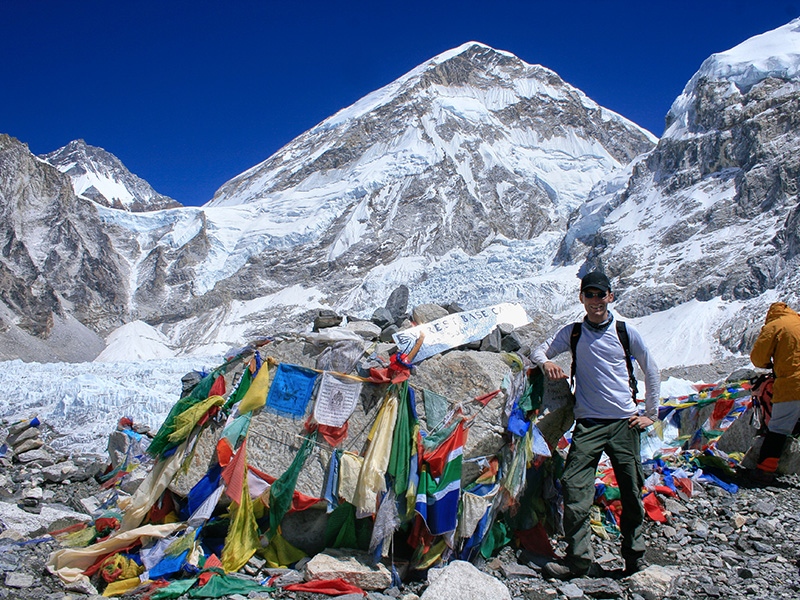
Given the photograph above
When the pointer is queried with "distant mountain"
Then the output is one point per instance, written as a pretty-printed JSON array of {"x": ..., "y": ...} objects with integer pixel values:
[
  {"x": 60, "y": 279},
  {"x": 475, "y": 178},
  {"x": 100, "y": 176}
]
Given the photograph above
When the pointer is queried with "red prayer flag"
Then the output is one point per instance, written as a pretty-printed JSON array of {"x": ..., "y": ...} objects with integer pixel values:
[
  {"x": 218, "y": 389},
  {"x": 234, "y": 474},
  {"x": 535, "y": 540},
  {"x": 438, "y": 458},
  {"x": 652, "y": 507},
  {"x": 486, "y": 398},
  {"x": 330, "y": 587}
]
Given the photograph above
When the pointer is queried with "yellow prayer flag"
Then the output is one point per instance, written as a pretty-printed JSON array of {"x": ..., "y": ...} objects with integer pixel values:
[
  {"x": 256, "y": 395},
  {"x": 185, "y": 422},
  {"x": 242, "y": 540}
]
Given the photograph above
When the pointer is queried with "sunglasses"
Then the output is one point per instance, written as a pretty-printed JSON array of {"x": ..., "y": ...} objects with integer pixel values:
[{"x": 591, "y": 295}]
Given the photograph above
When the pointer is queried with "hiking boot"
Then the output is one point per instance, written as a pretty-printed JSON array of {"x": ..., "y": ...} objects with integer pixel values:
[
  {"x": 561, "y": 570},
  {"x": 634, "y": 565}
]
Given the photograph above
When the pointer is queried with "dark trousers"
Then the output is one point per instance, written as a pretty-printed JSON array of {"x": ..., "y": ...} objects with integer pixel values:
[{"x": 590, "y": 438}]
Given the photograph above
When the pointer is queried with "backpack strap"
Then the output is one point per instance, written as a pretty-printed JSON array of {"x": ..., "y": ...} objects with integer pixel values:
[
  {"x": 573, "y": 344},
  {"x": 622, "y": 334}
]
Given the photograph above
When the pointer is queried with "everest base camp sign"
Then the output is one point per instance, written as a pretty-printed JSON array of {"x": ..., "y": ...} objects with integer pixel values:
[{"x": 458, "y": 329}]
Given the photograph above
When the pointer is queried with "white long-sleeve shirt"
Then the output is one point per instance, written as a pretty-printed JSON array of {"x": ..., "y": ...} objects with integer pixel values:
[{"x": 602, "y": 390}]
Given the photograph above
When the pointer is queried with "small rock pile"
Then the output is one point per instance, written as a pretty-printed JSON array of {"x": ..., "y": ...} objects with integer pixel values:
[{"x": 395, "y": 316}]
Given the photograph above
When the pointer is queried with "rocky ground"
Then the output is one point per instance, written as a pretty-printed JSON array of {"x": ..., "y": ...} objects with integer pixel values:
[{"x": 715, "y": 545}]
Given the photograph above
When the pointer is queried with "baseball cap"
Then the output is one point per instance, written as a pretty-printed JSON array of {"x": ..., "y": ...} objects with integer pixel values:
[{"x": 597, "y": 280}]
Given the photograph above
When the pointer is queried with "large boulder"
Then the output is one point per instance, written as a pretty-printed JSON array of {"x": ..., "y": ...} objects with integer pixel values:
[{"x": 462, "y": 376}]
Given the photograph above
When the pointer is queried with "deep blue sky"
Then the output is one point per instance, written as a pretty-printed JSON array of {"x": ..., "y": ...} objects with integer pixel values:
[{"x": 190, "y": 94}]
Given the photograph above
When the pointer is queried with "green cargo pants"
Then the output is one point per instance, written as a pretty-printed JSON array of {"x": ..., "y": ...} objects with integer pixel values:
[{"x": 590, "y": 438}]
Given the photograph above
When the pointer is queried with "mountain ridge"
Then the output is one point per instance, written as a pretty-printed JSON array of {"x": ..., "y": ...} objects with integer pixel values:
[{"x": 479, "y": 178}]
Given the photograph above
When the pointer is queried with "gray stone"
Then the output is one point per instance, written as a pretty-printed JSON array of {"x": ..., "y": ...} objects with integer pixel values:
[
  {"x": 570, "y": 590},
  {"x": 19, "y": 580},
  {"x": 762, "y": 548},
  {"x": 382, "y": 317},
  {"x": 29, "y": 433},
  {"x": 764, "y": 507},
  {"x": 326, "y": 318},
  {"x": 558, "y": 411},
  {"x": 366, "y": 329},
  {"x": 117, "y": 448},
  {"x": 674, "y": 506},
  {"x": 388, "y": 333},
  {"x": 28, "y": 445},
  {"x": 289, "y": 577},
  {"x": 463, "y": 581},
  {"x": 60, "y": 472},
  {"x": 425, "y": 313},
  {"x": 42, "y": 456},
  {"x": 453, "y": 308},
  {"x": 739, "y": 436},
  {"x": 513, "y": 570},
  {"x": 492, "y": 342},
  {"x": 16, "y": 429},
  {"x": 351, "y": 566},
  {"x": 397, "y": 303},
  {"x": 511, "y": 342}
]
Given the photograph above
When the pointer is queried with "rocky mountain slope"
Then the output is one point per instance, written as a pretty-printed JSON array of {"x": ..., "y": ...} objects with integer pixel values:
[
  {"x": 712, "y": 212},
  {"x": 60, "y": 278},
  {"x": 474, "y": 178}
]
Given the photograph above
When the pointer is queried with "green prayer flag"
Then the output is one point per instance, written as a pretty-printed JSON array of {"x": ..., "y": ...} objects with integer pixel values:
[
  {"x": 282, "y": 491},
  {"x": 241, "y": 390},
  {"x": 220, "y": 586},
  {"x": 340, "y": 531},
  {"x": 161, "y": 442},
  {"x": 176, "y": 589},
  {"x": 402, "y": 442}
]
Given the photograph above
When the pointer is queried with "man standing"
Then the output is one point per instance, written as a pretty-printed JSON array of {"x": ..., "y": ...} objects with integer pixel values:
[
  {"x": 606, "y": 419},
  {"x": 778, "y": 346}
]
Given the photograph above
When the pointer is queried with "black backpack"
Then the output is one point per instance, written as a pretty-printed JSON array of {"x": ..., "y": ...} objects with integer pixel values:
[{"x": 622, "y": 334}]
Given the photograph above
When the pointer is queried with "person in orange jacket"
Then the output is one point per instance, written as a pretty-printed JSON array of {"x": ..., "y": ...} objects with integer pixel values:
[{"x": 778, "y": 347}]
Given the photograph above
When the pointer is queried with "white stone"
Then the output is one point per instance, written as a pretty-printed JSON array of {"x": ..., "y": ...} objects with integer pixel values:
[
  {"x": 463, "y": 581},
  {"x": 27, "y": 523},
  {"x": 653, "y": 583},
  {"x": 352, "y": 567}
]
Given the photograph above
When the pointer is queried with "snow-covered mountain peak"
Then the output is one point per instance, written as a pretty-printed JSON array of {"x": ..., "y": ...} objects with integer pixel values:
[
  {"x": 100, "y": 176},
  {"x": 470, "y": 111},
  {"x": 774, "y": 54}
]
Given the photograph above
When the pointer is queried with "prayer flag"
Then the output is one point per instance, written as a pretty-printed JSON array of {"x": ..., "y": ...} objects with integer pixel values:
[
  {"x": 290, "y": 390},
  {"x": 437, "y": 497},
  {"x": 336, "y": 400}
]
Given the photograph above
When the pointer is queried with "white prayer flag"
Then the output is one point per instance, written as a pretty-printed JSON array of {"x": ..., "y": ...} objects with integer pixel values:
[{"x": 336, "y": 400}]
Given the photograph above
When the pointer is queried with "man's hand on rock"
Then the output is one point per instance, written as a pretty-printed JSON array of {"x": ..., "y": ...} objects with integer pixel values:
[{"x": 553, "y": 371}]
